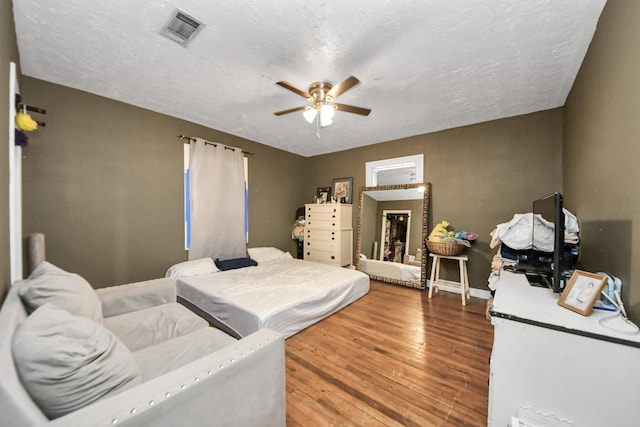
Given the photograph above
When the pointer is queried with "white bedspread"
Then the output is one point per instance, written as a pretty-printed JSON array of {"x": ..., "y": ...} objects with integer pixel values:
[
  {"x": 284, "y": 295},
  {"x": 392, "y": 270}
]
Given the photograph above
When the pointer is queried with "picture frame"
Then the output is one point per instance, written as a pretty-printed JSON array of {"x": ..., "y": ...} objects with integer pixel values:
[
  {"x": 343, "y": 190},
  {"x": 323, "y": 195},
  {"x": 582, "y": 291}
]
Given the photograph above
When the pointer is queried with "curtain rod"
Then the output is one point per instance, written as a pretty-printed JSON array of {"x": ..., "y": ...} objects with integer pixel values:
[{"x": 190, "y": 138}]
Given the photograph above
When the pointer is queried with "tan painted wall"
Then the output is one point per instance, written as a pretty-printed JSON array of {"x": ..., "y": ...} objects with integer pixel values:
[
  {"x": 480, "y": 175},
  {"x": 8, "y": 53},
  {"x": 83, "y": 169},
  {"x": 103, "y": 181},
  {"x": 602, "y": 149}
]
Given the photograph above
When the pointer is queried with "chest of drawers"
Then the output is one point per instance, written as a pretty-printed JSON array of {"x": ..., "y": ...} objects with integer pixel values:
[{"x": 329, "y": 234}]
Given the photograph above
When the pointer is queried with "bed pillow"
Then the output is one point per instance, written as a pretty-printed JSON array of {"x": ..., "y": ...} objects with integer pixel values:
[
  {"x": 232, "y": 264},
  {"x": 192, "y": 268},
  {"x": 69, "y": 291},
  {"x": 66, "y": 362},
  {"x": 268, "y": 254}
]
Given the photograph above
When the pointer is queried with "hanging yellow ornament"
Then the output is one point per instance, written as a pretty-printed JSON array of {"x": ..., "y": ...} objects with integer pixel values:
[{"x": 25, "y": 122}]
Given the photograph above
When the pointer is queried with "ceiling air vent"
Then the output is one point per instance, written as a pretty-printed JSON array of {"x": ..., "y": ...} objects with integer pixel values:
[{"x": 181, "y": 28}]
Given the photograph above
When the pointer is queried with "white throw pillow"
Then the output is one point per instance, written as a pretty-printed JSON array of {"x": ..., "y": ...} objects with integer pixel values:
[
  {"x": 267, "y": 254},
  {"x": 69, "y": 291},
  {"x": 192, "y": 268},
  {"x": 66, "y": 362}
]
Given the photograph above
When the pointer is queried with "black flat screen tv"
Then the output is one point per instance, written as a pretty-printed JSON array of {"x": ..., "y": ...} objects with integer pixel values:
[{"x": 556, "y": 266}]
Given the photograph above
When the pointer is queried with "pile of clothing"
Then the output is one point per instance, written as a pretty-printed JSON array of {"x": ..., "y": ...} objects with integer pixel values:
[
  {"x": 517, "y": 236},
  {"x": 518, "y": 233}
]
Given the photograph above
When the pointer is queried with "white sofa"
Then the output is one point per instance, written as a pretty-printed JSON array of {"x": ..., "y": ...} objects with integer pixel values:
[{"x": 192, "y": 374}]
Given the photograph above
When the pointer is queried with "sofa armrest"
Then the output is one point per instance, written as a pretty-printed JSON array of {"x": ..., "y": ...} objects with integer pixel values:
[
  {"x": 241, "y": 384},
  {"x": 136, "y": 296}
]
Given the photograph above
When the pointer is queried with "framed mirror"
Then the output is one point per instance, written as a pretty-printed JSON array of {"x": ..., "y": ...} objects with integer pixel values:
[{"x": 391, "y": 231}]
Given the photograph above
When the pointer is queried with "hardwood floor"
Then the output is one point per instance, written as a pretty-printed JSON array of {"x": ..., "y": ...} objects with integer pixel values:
[{"x": 392, "y": 358}]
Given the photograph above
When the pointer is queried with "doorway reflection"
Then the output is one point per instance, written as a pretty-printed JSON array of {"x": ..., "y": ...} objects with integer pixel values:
[{"x": 395, "y": 235}]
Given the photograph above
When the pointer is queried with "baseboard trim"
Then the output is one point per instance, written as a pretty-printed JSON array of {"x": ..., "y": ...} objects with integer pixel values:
[
  {"x": 480, "y": 293},
  {"x": 474, "y": 292}
]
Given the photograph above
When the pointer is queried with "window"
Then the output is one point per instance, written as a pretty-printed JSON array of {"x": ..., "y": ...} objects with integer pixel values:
[
  {"x": 187, "y": 199},
  {"x": 395, "y": 171}
]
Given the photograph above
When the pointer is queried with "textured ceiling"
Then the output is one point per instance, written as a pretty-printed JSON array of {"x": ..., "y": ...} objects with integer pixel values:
[{"x": 424, "y": 65}]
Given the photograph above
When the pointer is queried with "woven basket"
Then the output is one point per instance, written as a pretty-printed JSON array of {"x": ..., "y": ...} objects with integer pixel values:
[{"x": 445, "y": 248}]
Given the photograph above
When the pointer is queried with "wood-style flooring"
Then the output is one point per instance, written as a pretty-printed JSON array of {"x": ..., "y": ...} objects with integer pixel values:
[{"x": 392, "y": 358}]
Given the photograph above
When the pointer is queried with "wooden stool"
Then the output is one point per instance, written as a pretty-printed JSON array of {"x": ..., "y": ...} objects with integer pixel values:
[{"x": 436, "y": 282}]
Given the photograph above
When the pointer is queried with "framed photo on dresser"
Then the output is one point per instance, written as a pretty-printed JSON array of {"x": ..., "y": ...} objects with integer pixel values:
[
  {"x": 323, "y": 195},
  {"x": 582, "y": 291},
  {"x": 343, "y": 189}
]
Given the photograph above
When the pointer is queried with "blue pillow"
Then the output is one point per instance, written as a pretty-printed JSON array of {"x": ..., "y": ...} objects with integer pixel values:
[{"x": 232, "y": 264}]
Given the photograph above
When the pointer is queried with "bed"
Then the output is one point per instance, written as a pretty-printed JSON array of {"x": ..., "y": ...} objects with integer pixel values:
[
  {"x": 280, "y": 293},
  {"x": 393, "y": 270}
]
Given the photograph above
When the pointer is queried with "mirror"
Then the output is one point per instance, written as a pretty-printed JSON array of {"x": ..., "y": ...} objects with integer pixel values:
[{"x": 391, "y": 232}]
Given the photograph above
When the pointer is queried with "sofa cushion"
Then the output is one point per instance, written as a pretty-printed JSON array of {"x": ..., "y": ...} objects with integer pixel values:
[
  {"x": 69, "y": 291},
  {"x": 66, "y": 362},
  {"x": 165, "y": 357},
  {"x": 153, "y": 325}
]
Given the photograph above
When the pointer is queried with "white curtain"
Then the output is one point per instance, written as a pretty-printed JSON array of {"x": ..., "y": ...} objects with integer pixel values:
[{"x": 217, "y": 201}]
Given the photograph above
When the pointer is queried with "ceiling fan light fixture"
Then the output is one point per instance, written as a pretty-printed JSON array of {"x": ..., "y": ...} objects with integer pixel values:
[
  {"x": 327, "y": 111},
  {"x": 310, "y": 114},
  {"x": 325, "y": 121},
  {"x": 322, "y": 95},
  {"x": 326, "y": 115}
]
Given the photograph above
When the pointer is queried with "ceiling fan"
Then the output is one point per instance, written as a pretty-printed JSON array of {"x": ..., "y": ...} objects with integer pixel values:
[{"x": 322, "y": 96}]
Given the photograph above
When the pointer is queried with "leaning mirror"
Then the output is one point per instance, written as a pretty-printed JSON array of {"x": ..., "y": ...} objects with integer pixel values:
[{"x": 391, "y": 232}]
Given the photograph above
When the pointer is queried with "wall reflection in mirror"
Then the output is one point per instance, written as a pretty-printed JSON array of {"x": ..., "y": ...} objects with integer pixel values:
[{"x": 392, "y": 227}]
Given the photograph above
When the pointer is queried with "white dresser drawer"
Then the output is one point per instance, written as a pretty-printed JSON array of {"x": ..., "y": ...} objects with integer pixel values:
[
  {"x": 322, "y": 235},
  {"x": 325, "y": 257},
  {"x": 325, "y": 215},
  {"x": 317, "y": 224},
  {"x": 323, "y": 245},
  {"x": 335, "y": 213}
]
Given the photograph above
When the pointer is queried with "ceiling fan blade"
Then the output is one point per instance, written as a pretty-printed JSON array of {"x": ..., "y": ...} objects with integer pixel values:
[
  {"x": 291, "y": 110},
  {"x": 294, "y": 89},
  {"x": 352, "y": 109},
  {"x": 341, "y": 88}
]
